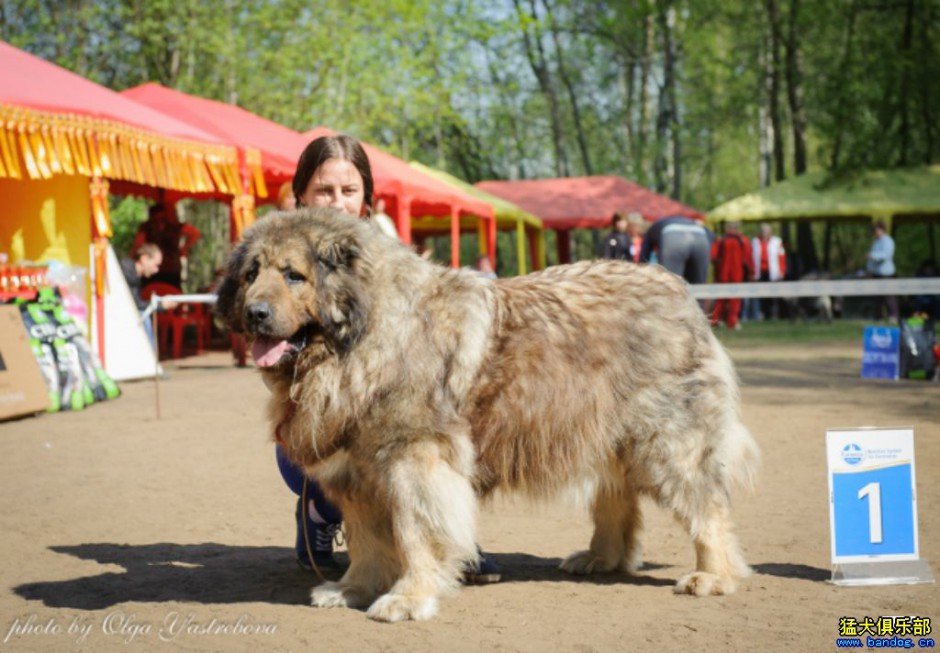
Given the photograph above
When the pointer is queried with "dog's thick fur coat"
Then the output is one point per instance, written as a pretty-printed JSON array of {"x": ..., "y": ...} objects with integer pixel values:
[{"x": 409, "y": 391}]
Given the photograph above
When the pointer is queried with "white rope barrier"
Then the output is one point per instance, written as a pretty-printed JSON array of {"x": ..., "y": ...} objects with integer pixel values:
[{"x": 834, "y": 288}]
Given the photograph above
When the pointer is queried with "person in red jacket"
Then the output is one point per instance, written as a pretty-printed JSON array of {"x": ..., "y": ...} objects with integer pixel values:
[{"x": 733, "y": 264}]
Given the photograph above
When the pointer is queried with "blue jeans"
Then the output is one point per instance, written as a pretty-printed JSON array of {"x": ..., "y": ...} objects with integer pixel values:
[{"x": 294, "y": 477}]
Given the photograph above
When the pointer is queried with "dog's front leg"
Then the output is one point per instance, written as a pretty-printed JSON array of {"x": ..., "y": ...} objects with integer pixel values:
[
  {"x": 433, "y": 513},
  {"x": 374, "y": 564}
]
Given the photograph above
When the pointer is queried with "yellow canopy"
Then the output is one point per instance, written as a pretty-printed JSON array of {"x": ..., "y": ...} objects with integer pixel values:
[
  {"x": 508, "y": 216},
  {"x": 875, "y": 193}
]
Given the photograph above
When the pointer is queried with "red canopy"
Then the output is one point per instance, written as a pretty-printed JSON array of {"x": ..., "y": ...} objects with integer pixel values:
[
  {"x": 585, "y": 202},
  {"x": 279, "y": 146},
  {"x": 411, "y": 193},
  {"x": 62, "y": 123}
]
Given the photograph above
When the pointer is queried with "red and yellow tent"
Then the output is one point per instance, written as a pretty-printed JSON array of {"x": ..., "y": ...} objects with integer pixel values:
[{"x": 63, "y": 139}]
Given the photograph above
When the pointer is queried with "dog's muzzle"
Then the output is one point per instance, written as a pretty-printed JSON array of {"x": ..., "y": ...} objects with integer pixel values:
[{"x": 257, "y": 315}]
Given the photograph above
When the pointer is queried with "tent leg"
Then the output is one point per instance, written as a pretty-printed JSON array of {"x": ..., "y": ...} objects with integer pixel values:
[
  {"x": 564, "y": 246},
  {"x": 520, "y": 246},
  {"x": 454, "y": 239},
  {"x": 933, "y": 243}
]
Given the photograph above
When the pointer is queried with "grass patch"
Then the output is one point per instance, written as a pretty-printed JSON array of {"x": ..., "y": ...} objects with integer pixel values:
[{"x": 785, "y": 331}]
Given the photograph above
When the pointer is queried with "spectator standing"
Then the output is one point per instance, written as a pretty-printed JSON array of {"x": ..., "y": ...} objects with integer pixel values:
[
  {"x": 617, "y": 244},
  {"x": 636, "y": 227},
  {"x": 881, "y": 266},
  {"x": 770, "y": 264},
  {"x": 732, "y": 257},
  {"x": 175, "y": 240},
  {"x": 682, "y": 246}
]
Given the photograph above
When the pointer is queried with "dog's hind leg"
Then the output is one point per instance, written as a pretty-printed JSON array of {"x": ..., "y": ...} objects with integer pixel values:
[
  {"x": 615, "y": 544},
  {"x": 699, "y": 494},
  {"x": 433, "y": 511},
  {"x": 718, "y": 558}
]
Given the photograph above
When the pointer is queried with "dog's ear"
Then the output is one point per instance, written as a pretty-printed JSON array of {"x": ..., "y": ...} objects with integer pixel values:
[
  {"x": 343, "y": 303},
  {"x": 336, "y": 252},
  {"x": 228, "y": 305},
  {"x": 343, "y": 311}
]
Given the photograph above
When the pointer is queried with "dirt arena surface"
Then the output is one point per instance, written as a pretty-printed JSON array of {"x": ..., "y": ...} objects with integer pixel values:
[{"x": 120, "y": 531}]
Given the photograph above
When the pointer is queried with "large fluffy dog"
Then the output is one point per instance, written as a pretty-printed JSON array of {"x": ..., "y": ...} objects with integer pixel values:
[{"x": 409, "y": 390}]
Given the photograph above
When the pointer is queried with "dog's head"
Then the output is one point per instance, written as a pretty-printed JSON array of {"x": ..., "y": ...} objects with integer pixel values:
[{"x": 294, "y": 284}]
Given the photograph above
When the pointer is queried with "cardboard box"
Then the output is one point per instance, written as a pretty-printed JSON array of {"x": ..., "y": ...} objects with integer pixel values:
[{"x": 22, "y": 388}]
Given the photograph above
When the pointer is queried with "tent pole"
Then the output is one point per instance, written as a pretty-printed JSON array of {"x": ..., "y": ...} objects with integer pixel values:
[
  {"x": 933, "y": 243},
  {"x": 156, "y": 360},
  {"x": 404, "y": 219},
  {"x": 520, "y": 246},
  {"x": 564, "y": 246},
  {"x": 454, "y": 238}
]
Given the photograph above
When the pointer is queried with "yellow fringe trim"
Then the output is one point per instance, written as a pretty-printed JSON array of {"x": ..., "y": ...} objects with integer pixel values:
[
  {"x": 253, "y": 161},
  {"x": 100, "y": 212},
  {"x": 243, "y": 214},
  {"x": 40, "y": 145}
]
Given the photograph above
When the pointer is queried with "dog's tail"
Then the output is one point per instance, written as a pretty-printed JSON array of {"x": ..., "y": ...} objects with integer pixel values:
[{"x": 740, "y": 451}]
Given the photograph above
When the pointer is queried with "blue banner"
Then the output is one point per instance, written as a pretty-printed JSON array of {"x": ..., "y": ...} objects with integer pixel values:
[{"x": 881, "y": 353}]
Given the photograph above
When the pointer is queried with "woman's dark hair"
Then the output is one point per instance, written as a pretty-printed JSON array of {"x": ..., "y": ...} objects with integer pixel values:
[{"x": 322, "y": 150}]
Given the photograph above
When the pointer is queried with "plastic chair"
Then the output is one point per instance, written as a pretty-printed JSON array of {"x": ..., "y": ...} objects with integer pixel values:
[{"x": 177, "y": 320}]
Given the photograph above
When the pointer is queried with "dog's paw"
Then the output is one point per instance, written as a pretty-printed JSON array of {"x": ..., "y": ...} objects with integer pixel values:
[
  {"x": 328, "y": 595},
  {"x": 702, "y": 583},
  {"x": 587, "y": 562},
  {"x": 398, "y": 607}
]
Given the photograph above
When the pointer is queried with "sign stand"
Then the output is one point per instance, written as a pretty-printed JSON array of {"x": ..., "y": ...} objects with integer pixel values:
[{"x": 873, "y": 507}]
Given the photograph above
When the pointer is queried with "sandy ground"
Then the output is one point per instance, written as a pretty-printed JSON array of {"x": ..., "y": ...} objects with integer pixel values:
[{"x": 122, "y": 531}]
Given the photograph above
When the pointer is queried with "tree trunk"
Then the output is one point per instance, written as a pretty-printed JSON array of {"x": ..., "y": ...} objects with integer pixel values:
[
  {"x": 569, "y": 87},
  {"x": 806, "y": 247},
  {"x": 535, "y": 52},
  {"x": 904, "y": 94},
  {"x": 643, "y": 126},
  {"x": 628, "y": 87},
  {"x": 667, "y": 123},
  {"x": 773, "y": 60},
  {"x": 795, "y": 91},
  {"x": 926, "y": 56},
  {"x": 843, "y": 107},
  {"x": 517, "y": 139}
]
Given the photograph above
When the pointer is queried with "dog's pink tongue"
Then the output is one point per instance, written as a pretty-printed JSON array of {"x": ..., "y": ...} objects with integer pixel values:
[{"x": 268, "y": 352}]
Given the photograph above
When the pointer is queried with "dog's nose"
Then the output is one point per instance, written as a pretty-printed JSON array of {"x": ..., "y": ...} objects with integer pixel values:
[{"x": 258, "y": 312}]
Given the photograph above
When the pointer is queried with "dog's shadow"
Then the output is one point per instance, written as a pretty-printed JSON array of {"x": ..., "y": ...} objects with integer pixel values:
[
  {"x": 526, "y": 568},
  {"x": 212, "y": 573},
  {"x": 199, "y": 573}
]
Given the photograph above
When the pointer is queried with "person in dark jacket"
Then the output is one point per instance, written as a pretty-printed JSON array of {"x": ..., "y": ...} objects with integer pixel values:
[
  {"x": 617, "y": 244},
  {"x": 146, "y": 263}
]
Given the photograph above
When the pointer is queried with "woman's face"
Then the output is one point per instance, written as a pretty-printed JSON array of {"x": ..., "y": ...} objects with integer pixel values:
[{"x": 336, "y": 183}]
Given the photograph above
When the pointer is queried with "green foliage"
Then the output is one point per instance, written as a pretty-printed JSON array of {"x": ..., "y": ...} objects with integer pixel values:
[
  {"x": 207, "y": 257},
  {"x": 127, "y": 213}
]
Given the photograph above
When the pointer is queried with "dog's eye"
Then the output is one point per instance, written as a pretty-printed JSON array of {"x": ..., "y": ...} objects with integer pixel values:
[
  {"x": 252, "y": 274},
  {"x": 293, "y": 276}
]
